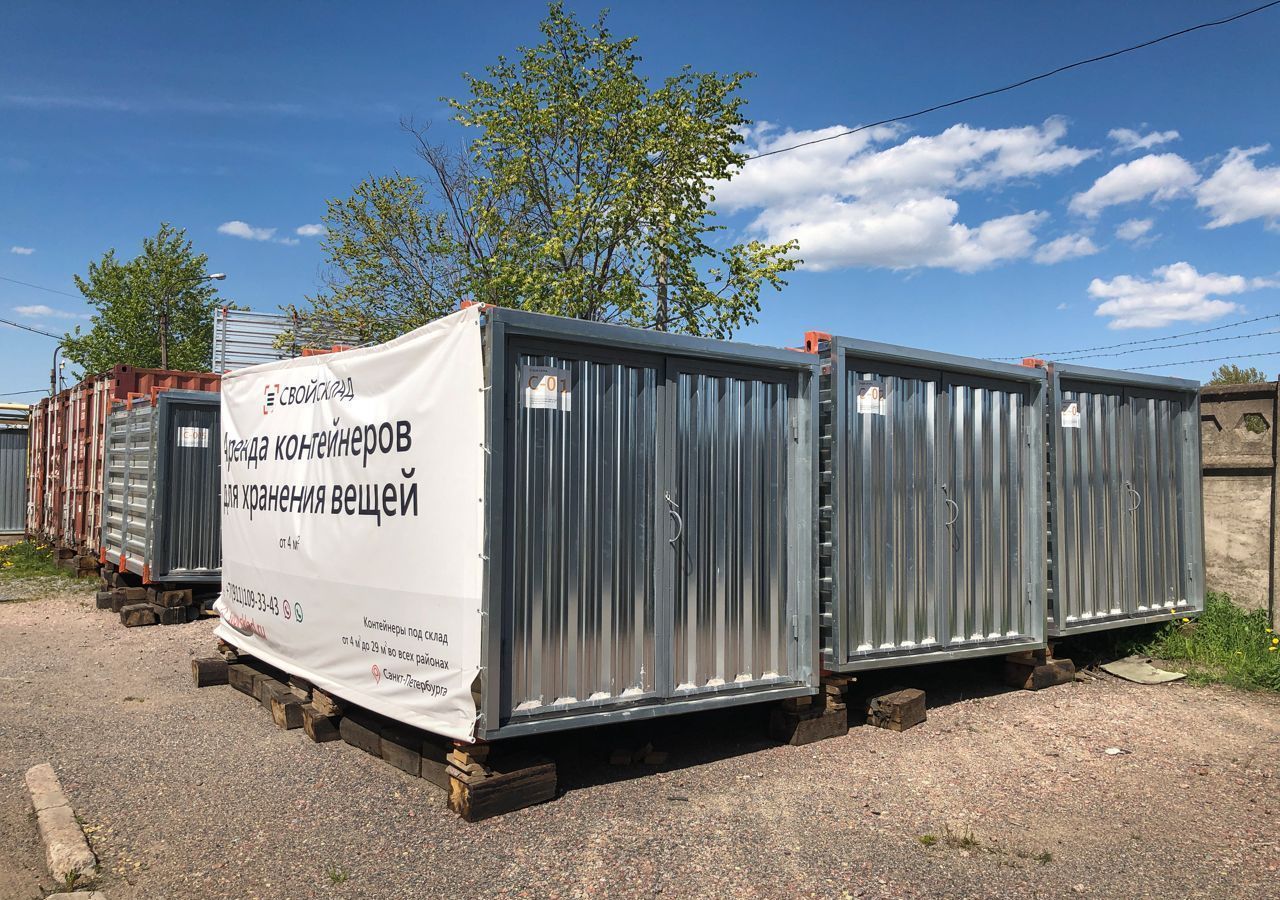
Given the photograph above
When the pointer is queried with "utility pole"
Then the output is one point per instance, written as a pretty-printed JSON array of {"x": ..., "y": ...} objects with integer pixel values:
[{"x": 662, "y": 291}]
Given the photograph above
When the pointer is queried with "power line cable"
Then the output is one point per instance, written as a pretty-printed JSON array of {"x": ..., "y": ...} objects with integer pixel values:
[
  {"x": 18, "y": 393},
  {"x": 1187, "y": 362},
  {"x": 1234, "y": 337},
  {"x": 40, "y": 287},
  {"x": 1168, "y": 337},
  {"x": 48, "y": 334},
  {"x": 1022, "y": 83}
]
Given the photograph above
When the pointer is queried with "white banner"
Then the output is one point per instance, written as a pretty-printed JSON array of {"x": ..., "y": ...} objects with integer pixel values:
[{"x": 353, "y": 521}]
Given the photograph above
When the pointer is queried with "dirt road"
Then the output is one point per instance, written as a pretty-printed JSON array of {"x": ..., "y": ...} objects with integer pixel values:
[{"x": 1000, "y": 794}]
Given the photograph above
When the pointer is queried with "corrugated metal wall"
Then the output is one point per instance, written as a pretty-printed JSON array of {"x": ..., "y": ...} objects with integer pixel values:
[
  {"x": 242, "y": 337},
  {"x": 1126, "y": 522},
  {"x": 582, "y": 491},
  {"x": 650, "y": 529},
  {"x": 191, "y": 541},
  {"x": 730, "y": 486},
  {"x": 162, "y": 488},
  {"x": 13, "y": 479},
  {"x": 933, "y": 542}
]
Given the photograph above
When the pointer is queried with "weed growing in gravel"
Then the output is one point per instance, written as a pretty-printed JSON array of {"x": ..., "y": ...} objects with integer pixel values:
[
  {"x": 961, "y": 840},
  {"x": 28, "y": 559},
  {"x": 1226, "y": 644},
  {"x": 928, "y": 839},
  {"x": 1223, "y": 645},
  {"x": 337, "y": 874}
]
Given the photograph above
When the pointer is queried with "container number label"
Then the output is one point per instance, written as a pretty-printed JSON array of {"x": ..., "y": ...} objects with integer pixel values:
[
  {"x": 546, "y": 387},
  {"x": 191, "y": 436},
  {"x": 871, "y": 399},
  {"x": 1071, "y": 415}
]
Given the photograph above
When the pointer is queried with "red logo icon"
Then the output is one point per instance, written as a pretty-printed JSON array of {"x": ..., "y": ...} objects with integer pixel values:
[{"x": 377, "y": 673}]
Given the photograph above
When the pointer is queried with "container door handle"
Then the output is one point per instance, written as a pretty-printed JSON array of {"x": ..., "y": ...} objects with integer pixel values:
[
  {"x": 674, "y": 509},
  {"x": 953, "y": 504},
  {"x": 1137, "y": 497}
]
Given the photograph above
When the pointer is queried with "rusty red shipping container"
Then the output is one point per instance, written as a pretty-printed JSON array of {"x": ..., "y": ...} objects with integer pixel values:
[{"x": 68, "y": 435}]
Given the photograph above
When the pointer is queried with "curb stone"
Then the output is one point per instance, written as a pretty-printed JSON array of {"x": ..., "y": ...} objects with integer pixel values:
[{"x": 66, "y": 850}]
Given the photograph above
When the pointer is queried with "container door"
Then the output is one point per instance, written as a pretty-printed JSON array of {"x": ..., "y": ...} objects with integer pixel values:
[
  {"x": 1154, "y": 501},
  {"x": 726, "y": 507},
  {"x": 1094, "y": 543},
  {"x": 985, "y": 458},
  {"x": 582, "y": 436},
  {"x": 889, "y": 531}
]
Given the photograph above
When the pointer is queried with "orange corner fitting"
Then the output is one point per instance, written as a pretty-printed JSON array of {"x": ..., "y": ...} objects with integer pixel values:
[
  {"x": 813, "y": 338},
  {"x": 146, "y": 574},
  {"x": 1032, "y": 362}
]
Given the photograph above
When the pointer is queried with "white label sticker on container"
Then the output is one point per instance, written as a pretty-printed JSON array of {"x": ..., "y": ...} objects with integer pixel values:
[
  {"x": 871, "y": 399},
  {"x": 191, "y": 436},
  {"x": 546, "y": 387},
  {"x": 1071, "y": 415}
]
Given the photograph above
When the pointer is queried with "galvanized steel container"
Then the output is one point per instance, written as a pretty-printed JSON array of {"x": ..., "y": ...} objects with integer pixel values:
[
  {"x": 1126, "y": 514},
  {"x": 932, "y": 528},
  {"x": 14, "y": 438},
  {"x": 652, "y": 547},
  {"x": 160, "y": 509}
]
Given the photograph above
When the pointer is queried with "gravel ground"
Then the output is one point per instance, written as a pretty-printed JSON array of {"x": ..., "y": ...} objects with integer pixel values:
[{"x": 196, "y": 794}]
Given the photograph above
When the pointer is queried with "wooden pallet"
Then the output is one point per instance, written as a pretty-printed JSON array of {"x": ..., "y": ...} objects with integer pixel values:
[{"x": 480, "y": 783}]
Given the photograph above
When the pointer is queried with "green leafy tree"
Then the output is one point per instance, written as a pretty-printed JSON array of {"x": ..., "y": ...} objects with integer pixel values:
[
  {"x": 1233, "y": 374},
  {"x": 586, "y": 192},
  {"x": 165, "y": 284}
]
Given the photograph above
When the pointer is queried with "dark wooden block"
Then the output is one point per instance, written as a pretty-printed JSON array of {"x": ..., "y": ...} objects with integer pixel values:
[
  {"x": 103, "y": 599},
  {"x": 243, "y": 678},
  {"x": 518, "y": 784},
  {"x": 170, "y": 615},
  {"x": 269, "y": 689},
  {"x": 896, "y": 710},
  {"x": 118, "y": 602},
  {"x": 435, "y": 768},
  {"x": 361, "y": 730},
  {"x": 286, "y": 709},
  {"x": 136, "y": 614},
  {"x": 402, "y": 747},
  {"x": 206, "y": 672},
  {"x": 173, "y": 598},
  {"x": 807, "y": 726},
  {"x": 320, "y": 728},
  {"x": 1033, "y": 675}
]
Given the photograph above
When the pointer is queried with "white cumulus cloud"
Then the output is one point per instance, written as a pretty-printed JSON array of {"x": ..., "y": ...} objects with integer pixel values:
[
  {"x": 1127, "y": 139},
  {"x": 237, "y": 228},
  {"x": 22, "y": 251},
  {"x": 1134, "y": 229},
  {"x": 1174, "y": 293},
  {"x": 310, "y": 230},
  {"x": 871, "y": 199},
  {"x": 40, "y": 311},
  {"x": 1069, "y": 246},
  {"x": 1239, "y": 191},
  {"x": 1158, "y": 176}
]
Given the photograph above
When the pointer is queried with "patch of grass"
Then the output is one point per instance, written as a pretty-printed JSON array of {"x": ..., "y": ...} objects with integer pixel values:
[
  {"x": 1225, "y": 645},
  {"x": 1045, "y": 858},
  {"x": 928, "y": 839},
  {"x": 961, "y": 840},
  {"x": 28, "y": 559},
  {"x": 337, "y": 874}
]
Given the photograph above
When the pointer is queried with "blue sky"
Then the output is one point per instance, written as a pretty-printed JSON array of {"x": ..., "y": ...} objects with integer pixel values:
[{"x": 1129, "y": 200}]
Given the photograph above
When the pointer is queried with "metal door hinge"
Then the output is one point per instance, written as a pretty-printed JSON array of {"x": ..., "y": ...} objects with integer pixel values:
[{"x": 795, "y": 628}]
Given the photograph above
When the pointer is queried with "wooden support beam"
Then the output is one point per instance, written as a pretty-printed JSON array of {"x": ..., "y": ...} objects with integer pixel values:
[
  {"x": 518, "y": 783},
  {"x": 897, "y": 710},
  {"x": 319, "y": 727},
  {"x": 134, "y": 615},
  {"x": 210, "y": 671}
]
